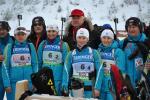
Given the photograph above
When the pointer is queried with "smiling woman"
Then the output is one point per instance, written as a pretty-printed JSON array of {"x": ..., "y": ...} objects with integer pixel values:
[{"x": 38, "y": 31}]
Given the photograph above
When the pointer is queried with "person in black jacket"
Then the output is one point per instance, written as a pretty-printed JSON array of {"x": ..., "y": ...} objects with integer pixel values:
[
  {"x": 78, "y": 20},
  {"x": 38, "y": 31}
]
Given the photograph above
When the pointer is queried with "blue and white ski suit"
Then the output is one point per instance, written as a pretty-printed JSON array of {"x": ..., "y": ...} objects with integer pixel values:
[
  {"x": 109, "y": 55},
  {"x": 20, "y": 62},
  {"x": 131, "y": 65},
  {"x": 79, "y": 64},
  {"x": 3, "y": 42},
  {"x": 52, "y": 55}
]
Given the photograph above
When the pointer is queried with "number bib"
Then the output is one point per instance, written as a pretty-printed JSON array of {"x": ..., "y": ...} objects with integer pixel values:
[
  {"x": 138, "y": 62},
  {"x": 107, "y": 65},
  {"x": 81, "y": 70},
  {"x": 52, "y": 57},
  {"x": 18, "y": 60}
]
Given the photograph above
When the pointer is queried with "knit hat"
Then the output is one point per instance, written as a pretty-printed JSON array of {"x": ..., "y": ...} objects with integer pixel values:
[
  {"x": 133, "y": 21},
  {"x": 5, "y": 25},
  {"x": 38, "y": 19},
  {"x": 52, "y": 27},
  {"x": 107, "y": 33},
  {"x": 83, "y": 32}
]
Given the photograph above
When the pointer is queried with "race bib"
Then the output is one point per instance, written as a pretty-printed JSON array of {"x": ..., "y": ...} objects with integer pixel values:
[
  {"x": 52, "y": 57},
  {"x": 81, "y": 70},
  {"x": 18, "y": 60},
  {"x": 107, "y": 66},
  {"x": 138, "y": 62}
]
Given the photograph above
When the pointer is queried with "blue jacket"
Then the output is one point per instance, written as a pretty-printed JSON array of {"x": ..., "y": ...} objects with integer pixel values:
[
  {"x": 52, "y": 55},
  {"x": 20, "y": 63},
  {"x": 130, "y": 66},
  {"x": 115, "y": 55},
  {"x": 3, "y": 42},
  {"x": 74, "y": 61}
]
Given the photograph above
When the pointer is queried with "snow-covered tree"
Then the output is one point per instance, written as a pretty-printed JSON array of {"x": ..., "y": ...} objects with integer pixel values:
[
  {"x": 101, "y": 1},
  {"x": 74, "y": 2},
  {"x": 35, "y": 2},
  {"x": 140, "y": 8},
  {"x": 32, "y": 9},
  {"x": 7, "y": 14},
  {"x": 2, "y": 2},
  {"x": 95, "y": 3},
  {"x": 130, "y": 2},
  {"x": 59, "y": 9},
  {"x": 52, "y": 2},
  {"x": 27, "y": 2},
  {"x": 45, "y": 3},
  {"x": 124, "y": 17},
  {"x": 113, "y": 9}
]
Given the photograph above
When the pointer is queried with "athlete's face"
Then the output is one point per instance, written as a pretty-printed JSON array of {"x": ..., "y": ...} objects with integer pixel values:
[
  {"x": 133, "y": 30},
  {"x": 81, "y": 41},
  {"x": 77, "y": 21},
  {"x": 106, "y": 40},
  {"x": 3, "y": 32},
  {"x": 52, "y": 34},
  {"x": 38, "y": 28},
  {"x": 21, "y": 37}
]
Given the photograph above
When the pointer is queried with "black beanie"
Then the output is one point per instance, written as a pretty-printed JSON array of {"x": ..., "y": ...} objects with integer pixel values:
[
  {"x": 133, "y": 21},
  {"x": 38, "y": 19},
  {"x": 5, "y": 25}
]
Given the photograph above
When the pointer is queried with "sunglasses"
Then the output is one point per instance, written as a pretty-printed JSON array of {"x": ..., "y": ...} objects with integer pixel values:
[
  {"x": 39, "y": 24},
  {"x": 51, "y": 31}
]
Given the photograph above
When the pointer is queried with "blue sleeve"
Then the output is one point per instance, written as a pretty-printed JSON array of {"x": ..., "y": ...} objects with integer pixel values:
[
  {"x": 121, "y": 44},
  {"x": 98, "y": 66},
  {"x": 120, "y": 59},
  {"x": 6, "y": 66},
  {"x": 34, "y": 59},
  {"x": 65, "y": 50},
  {"x": 40, "y": 55},
  {"x": 97, "y": 60},
  {"x": 67, "y": 71}
]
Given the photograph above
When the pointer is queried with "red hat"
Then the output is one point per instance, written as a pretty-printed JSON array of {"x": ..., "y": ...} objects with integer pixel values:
[{"x": 77, "y": 12}]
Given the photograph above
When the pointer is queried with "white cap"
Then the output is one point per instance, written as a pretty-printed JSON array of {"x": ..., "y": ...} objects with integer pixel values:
[
  {"x": 83, "y": 32},
  {"x": 20, "y": 30},
  {"x": 107, "y": 33},
  {"x": 52, "y": 27}
]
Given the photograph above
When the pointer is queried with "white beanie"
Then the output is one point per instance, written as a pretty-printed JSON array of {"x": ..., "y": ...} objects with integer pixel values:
[
  {"x": 20, "y": 30},
  {"x": 107, "y": 33},
  {"x": 52, "y": 27},
  {"x": 83, "y": 32}
]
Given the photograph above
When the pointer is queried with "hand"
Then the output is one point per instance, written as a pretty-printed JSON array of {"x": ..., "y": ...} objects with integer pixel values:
[
  {"x": 8, "y": 89},
  {"x": 1, "y": 58},
  {"x": 96, "y": 93}
]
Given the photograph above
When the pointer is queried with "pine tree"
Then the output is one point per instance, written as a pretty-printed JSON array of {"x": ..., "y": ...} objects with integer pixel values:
[
  {"x": 59, "y": 9},
  {"x": 2, "y": 2},
  {"x": 95, "y": 3},
  {"x": 45, "y": 3},
  {"x": 27, "y": 2},
  {"x": 7, "y": 14},
  {"x": 101, "y": 1},
  {"x": 124, "y": 17},
  {"x": 113, "y": 8}
]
